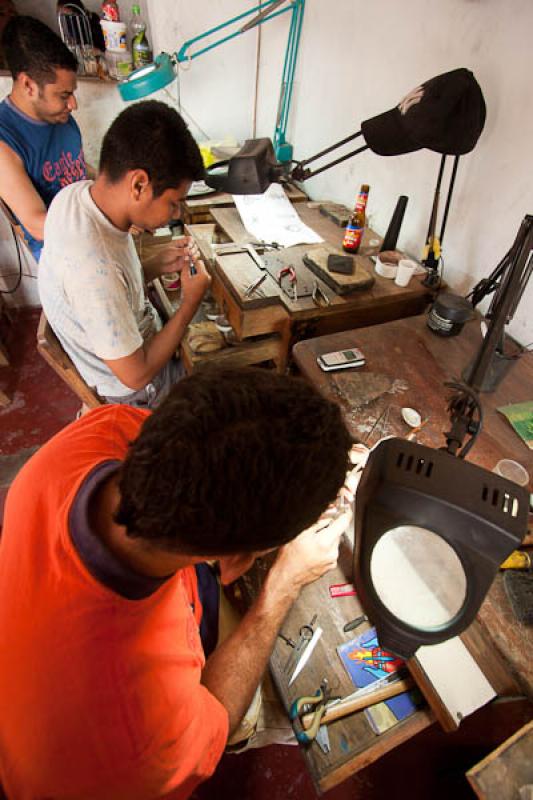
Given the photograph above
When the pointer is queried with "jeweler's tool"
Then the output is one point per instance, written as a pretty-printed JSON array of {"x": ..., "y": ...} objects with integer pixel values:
[
  {"x": 358, "y": 701},
  {"x": 306, "y": 655},
  {"x": 354, "y": 623},
  {"x": 314, "y": 707},
  {"x": 305, "y": 636},
  {"x": 255, "y": 285}
]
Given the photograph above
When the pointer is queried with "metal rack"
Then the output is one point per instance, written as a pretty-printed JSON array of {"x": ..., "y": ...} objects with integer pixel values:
[{"x": 75, "y": 31}]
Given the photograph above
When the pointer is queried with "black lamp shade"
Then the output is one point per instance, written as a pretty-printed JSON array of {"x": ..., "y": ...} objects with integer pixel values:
[
  {"x": 480, "y": 515},
  {"x": 250, "y": 171}
]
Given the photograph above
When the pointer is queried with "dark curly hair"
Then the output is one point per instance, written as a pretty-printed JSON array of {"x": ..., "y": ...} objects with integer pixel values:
[
  {"x": 151, "y": 136},
  {"x": 31, "y": 46},
  {"x": 234, "y": 460}
]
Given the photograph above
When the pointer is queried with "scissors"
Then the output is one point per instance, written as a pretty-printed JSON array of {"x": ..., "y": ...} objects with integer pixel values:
[{"x": 317, "y": 704}]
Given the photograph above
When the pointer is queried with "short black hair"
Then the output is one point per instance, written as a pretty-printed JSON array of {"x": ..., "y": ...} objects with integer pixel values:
[
  {"x": 31, "y": 46},
  {"x": 151, "y": 136},
  {"x": 233, "y": 461}
]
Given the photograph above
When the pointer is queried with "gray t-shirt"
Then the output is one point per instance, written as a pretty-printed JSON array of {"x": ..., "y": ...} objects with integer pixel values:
[{"x": 92, "y": 288}]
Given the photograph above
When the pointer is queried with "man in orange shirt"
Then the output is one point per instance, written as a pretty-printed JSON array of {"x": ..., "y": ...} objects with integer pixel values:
[{"x": 105, "y": 688}]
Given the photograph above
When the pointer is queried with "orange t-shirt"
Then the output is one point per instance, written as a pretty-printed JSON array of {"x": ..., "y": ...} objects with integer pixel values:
[{"x": 100, "y": 696}]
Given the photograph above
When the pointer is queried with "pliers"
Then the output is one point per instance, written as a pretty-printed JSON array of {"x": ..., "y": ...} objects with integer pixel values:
[
  {"x": 293, "y": 279},
  {"x": 304, "y": 705}
]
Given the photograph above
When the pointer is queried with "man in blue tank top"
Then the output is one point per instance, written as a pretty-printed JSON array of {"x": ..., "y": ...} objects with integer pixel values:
[{"x": 40, "y": 142}]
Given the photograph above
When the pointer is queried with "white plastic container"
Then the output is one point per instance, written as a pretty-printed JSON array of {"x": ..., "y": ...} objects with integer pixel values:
[
  {"x": 406, "y": 268},
  {"x": 115, "y": 37}
]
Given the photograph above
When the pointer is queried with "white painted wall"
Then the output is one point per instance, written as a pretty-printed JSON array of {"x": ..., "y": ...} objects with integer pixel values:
[{"x": 358, "y": 59}]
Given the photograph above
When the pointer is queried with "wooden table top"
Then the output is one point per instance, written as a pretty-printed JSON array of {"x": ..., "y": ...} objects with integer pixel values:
[
  {"x": 416, "y": 363},
  {"x": 238, "y": 271},
  {"x": 209, "y": 200}
]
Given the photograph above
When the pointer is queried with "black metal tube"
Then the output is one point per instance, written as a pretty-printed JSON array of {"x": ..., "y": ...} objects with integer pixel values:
[
  {"x": 329, "y": 149},
  {"x": 299, "y": 174},
  {"x": 448, "y": 198}
]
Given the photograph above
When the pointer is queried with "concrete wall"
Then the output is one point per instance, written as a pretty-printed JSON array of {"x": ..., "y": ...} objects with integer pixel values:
[{"x": 356, "y": 60}]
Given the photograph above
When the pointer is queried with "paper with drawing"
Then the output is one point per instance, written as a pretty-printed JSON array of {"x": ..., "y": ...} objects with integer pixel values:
[{"x": 271, "y": 217}]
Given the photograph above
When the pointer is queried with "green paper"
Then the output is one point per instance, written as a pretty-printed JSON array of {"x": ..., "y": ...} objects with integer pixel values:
[{"x": 520, "y": 415}]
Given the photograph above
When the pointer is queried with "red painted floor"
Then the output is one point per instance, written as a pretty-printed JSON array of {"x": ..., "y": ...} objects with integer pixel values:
[
  {"x": 41, "y": 404},
  {"x": 430, "y": 767}
]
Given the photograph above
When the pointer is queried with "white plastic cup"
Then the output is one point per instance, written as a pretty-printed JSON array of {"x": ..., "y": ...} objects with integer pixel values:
[
  {"x": 406, "y": 267},
  {"x": 114, "y": 36},
  {"x": 512, "y": 470}
]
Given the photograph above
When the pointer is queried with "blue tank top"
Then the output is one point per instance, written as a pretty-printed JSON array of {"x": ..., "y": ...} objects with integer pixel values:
[{"x": 51, "y": 154}]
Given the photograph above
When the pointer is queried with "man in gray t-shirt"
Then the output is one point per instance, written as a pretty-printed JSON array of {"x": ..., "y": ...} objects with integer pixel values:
[{"x": 91, "y": 282}]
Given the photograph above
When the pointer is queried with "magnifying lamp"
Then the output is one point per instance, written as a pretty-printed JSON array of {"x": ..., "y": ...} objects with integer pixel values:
[
  {"x": 431, "y": 530},
  {"x": 146, "y": 80}
]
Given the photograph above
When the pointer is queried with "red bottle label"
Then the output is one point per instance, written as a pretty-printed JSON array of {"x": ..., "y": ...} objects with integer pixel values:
[
  {"x": 352, "y": 238},
  {"x": 111, "y": 12}
]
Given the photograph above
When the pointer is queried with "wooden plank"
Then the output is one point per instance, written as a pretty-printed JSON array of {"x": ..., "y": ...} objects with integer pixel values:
[
  {"x": 239, "y": 271},
  {"x": 202, "y": 206},
  {"x": 243, "y": 354},
  {"x": 502, "y": 774},
  {"x": 353, "y": 742}
]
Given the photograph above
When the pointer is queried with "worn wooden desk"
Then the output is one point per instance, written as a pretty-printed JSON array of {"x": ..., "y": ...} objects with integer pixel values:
[
  {"x": 416, "y": 363},
  {"x": 198, "y": 208},
  {"x": 270, "y": 310}
]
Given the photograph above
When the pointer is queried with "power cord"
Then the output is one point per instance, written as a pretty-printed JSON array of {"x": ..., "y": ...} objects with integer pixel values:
[{"x": 19, "y": 273}]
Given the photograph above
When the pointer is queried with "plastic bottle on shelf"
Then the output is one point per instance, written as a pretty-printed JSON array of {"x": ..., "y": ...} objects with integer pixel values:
[
  {"x": 140, "y": 48},
  {"x": 110, "y": 11}
]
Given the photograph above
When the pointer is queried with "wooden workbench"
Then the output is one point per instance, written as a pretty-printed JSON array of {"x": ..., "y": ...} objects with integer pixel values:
[
  {"x": 270, "y": 310},
  {"x": 198, "y": 208},
  {"x": 416, "y": 362}
]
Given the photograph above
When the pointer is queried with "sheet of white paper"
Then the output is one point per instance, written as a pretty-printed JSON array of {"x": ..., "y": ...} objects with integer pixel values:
[
  {"x": 271, "y": 217},
  {"x": 455, "y": 676}
]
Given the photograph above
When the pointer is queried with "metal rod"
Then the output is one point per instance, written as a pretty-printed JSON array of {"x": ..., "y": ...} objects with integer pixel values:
[
  {"x": 329, "y": 149},
  {"x": 448, "y": 198},
  {"x": 520, "y": 268},
  {"x": 311, "y": 174},
  {"x": 433, "y": 218}
]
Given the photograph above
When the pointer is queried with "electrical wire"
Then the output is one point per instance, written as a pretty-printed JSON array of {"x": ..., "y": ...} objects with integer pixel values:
[
  {"x": 19, "y": 273},
  {"x": 466, "y": 411}
]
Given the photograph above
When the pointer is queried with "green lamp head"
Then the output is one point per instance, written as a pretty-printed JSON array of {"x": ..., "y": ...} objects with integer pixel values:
[{"x": 148, "y": 79}]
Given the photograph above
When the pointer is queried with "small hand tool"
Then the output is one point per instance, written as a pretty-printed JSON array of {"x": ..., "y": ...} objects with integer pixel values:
[
  {"x": 192, "y": 267},
  {"x": 411, "y": 435},
  {"x": 287, "y": 639},
  {"x": 305, "y": 636},
  {"x": 319, "y": 296},
  {"x": 314, "y": 707},
  {"x": 322, "y": 740},
  {"x": 293, "y": 280},
  {"x": 379, "y": 425},
  {"x": 306, "y": 655},
  {"x": 356, "y": 702},
  {"x": 254, "y": 285},
  {"x": 231, "y": 248},
  {"x": 354, "y": 623}
]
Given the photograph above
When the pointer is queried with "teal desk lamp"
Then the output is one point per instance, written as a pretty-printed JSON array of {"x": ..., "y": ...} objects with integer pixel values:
[{"x": 163, "y": 70}]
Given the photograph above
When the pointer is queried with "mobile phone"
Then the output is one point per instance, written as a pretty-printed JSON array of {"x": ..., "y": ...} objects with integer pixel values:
[{"x": 341, "y": 359}]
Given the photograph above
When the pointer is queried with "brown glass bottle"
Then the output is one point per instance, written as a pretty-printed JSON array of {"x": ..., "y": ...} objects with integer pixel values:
[{"x": 353, "y": 233}]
